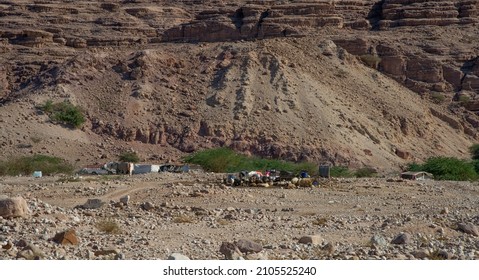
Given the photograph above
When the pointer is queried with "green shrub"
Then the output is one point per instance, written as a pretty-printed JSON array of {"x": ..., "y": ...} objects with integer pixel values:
[
  {"x": 447, "y": 168},
  {"x": 438, "y": 97},
  {"x": 474, "y": 150},
  {"x": 475, "y": 163},
  {"x": 414, "y": 167},
  {"x": 129, "y": 157},
  {"x": 365, "y": 172},
  {"x": 64, "y": 112},
  {"x": 226, "y": 160},
  {"x": 26, "y": 165},
  {"x": 47, "y": 107},
  {"x": 340, "y": 172}
]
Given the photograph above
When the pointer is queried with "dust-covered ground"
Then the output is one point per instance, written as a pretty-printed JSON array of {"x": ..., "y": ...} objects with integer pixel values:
[{"x": 193, "y": 214}]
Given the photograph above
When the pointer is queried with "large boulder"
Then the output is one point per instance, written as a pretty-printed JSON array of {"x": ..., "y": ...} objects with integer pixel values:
[{"x": 13, "y": 207}]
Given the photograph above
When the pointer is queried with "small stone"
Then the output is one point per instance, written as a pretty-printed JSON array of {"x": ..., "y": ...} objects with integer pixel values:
[
  {"x": 311, "y": 239},
  {"x": 125, "y": 199},
  {"x": 21, "y": 243},
  {"x": 248, "y": 246},
  {"x": 230, "y": 209},
  {"x": 329, "y": 248},
  {"x": 178, "y": 257},
  {"x": 443, "y": 255},
  {"x": 60, "y": 253},
  {"x": 445, "y": 211},
  {"x": 257, "y": 256},
  {"x": 147, "y": 206},
  {"x": 107, "y": 251},
  {"x": 402, "y": 238},
  {"x": 8, "y": 246}
]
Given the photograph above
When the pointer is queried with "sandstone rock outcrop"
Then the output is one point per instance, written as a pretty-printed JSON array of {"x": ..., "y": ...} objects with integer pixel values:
[{"x": 397, "y": 13}]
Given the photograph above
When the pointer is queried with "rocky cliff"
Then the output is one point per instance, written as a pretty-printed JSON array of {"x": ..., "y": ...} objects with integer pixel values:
[{"x": 378, "y": 83}]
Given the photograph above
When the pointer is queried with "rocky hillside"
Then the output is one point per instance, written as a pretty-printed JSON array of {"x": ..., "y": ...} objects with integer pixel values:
[{"x": 378, "y": 83}]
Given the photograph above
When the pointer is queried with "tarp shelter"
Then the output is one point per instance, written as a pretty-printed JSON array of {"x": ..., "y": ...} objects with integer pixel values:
[
  {"x": 416, "y": 175},
  {"x": 145, "y": 168}
]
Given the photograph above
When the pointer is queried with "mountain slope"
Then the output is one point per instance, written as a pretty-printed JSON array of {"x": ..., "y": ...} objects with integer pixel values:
[{"x": 303, "y": 95}]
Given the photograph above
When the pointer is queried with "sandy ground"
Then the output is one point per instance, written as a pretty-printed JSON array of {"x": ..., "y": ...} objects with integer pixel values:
[{"x": 194, "y": 213}]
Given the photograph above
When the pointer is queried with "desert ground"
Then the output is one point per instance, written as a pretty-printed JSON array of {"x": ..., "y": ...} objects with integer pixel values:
[{"x": 198, "y": 217}]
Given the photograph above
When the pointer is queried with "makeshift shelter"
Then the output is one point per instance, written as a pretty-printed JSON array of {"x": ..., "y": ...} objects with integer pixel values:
[{"x": 416, "y": 175}]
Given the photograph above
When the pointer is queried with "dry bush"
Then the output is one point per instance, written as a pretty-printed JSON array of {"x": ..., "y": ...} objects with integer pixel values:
[
  {"x": 223, "y": 222},
  {"x": 183, "y": 219},
  {"x": 320, "y": 222},
  {"x": 371, "y": 60},
  {"x": 108, "y": 226}
]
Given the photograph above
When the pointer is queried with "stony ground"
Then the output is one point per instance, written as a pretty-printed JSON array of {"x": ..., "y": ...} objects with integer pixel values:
[{"x": 194, "y": 214}]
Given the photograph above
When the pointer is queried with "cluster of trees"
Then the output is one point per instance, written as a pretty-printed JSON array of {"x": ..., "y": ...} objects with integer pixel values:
[{"x": 449, "y": 168}]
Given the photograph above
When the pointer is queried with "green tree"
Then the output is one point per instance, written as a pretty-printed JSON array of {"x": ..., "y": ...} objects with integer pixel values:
[
  {"x": 64, "y": 112},
  {"x": 129, "y": 157},
  {"x": 446, "y": 168}
]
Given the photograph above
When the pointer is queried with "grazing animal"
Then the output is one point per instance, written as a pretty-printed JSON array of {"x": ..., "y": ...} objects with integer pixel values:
[{"x": 131, "y": 166}]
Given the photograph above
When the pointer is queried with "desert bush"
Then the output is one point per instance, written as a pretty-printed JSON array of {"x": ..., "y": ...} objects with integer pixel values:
[
  {"x": 365, "y": 172},
  {"x": 464, "y": 99},
  {"x": 108, "y": 226},
  {"x": 447, "y": 168},
  {"x": 438, "y": 97},
  {"x": 183, "y": 219},
  {"x": 64, "y": 112},
  {"x": 370, "y": 60},
  {"x": 129, "y": 157},
  {"x": 320, "y": 221},
  {"x": 226, "y": 160},
  {"x": 340, "y": 172},
  {"x": 26, "y": 165}
]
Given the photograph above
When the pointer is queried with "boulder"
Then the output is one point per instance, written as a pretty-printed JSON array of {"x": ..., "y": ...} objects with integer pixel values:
[
  {"x": 94, "y": 203},
  {"x": 403, "y": 154},
  {"x": 248, "y": 246},
  {"x": 67, "y": 237},
  {"x": 230, "y": 251},
  {"x": 402, "y": 238},
  {"x": 311, "y": 239},
  {"x": 378, "y": 241},
  {"x": 14, "y": 207},
  {"x": 31, "y": 252},
  {"x": 468, "y": 228}
]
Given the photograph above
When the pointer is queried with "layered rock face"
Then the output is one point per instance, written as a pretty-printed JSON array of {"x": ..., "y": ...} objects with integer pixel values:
[
  {"x": 421, "y": 12},
  {"x": 198, "y": 74},
  {"x": 257, "y": 21}
]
